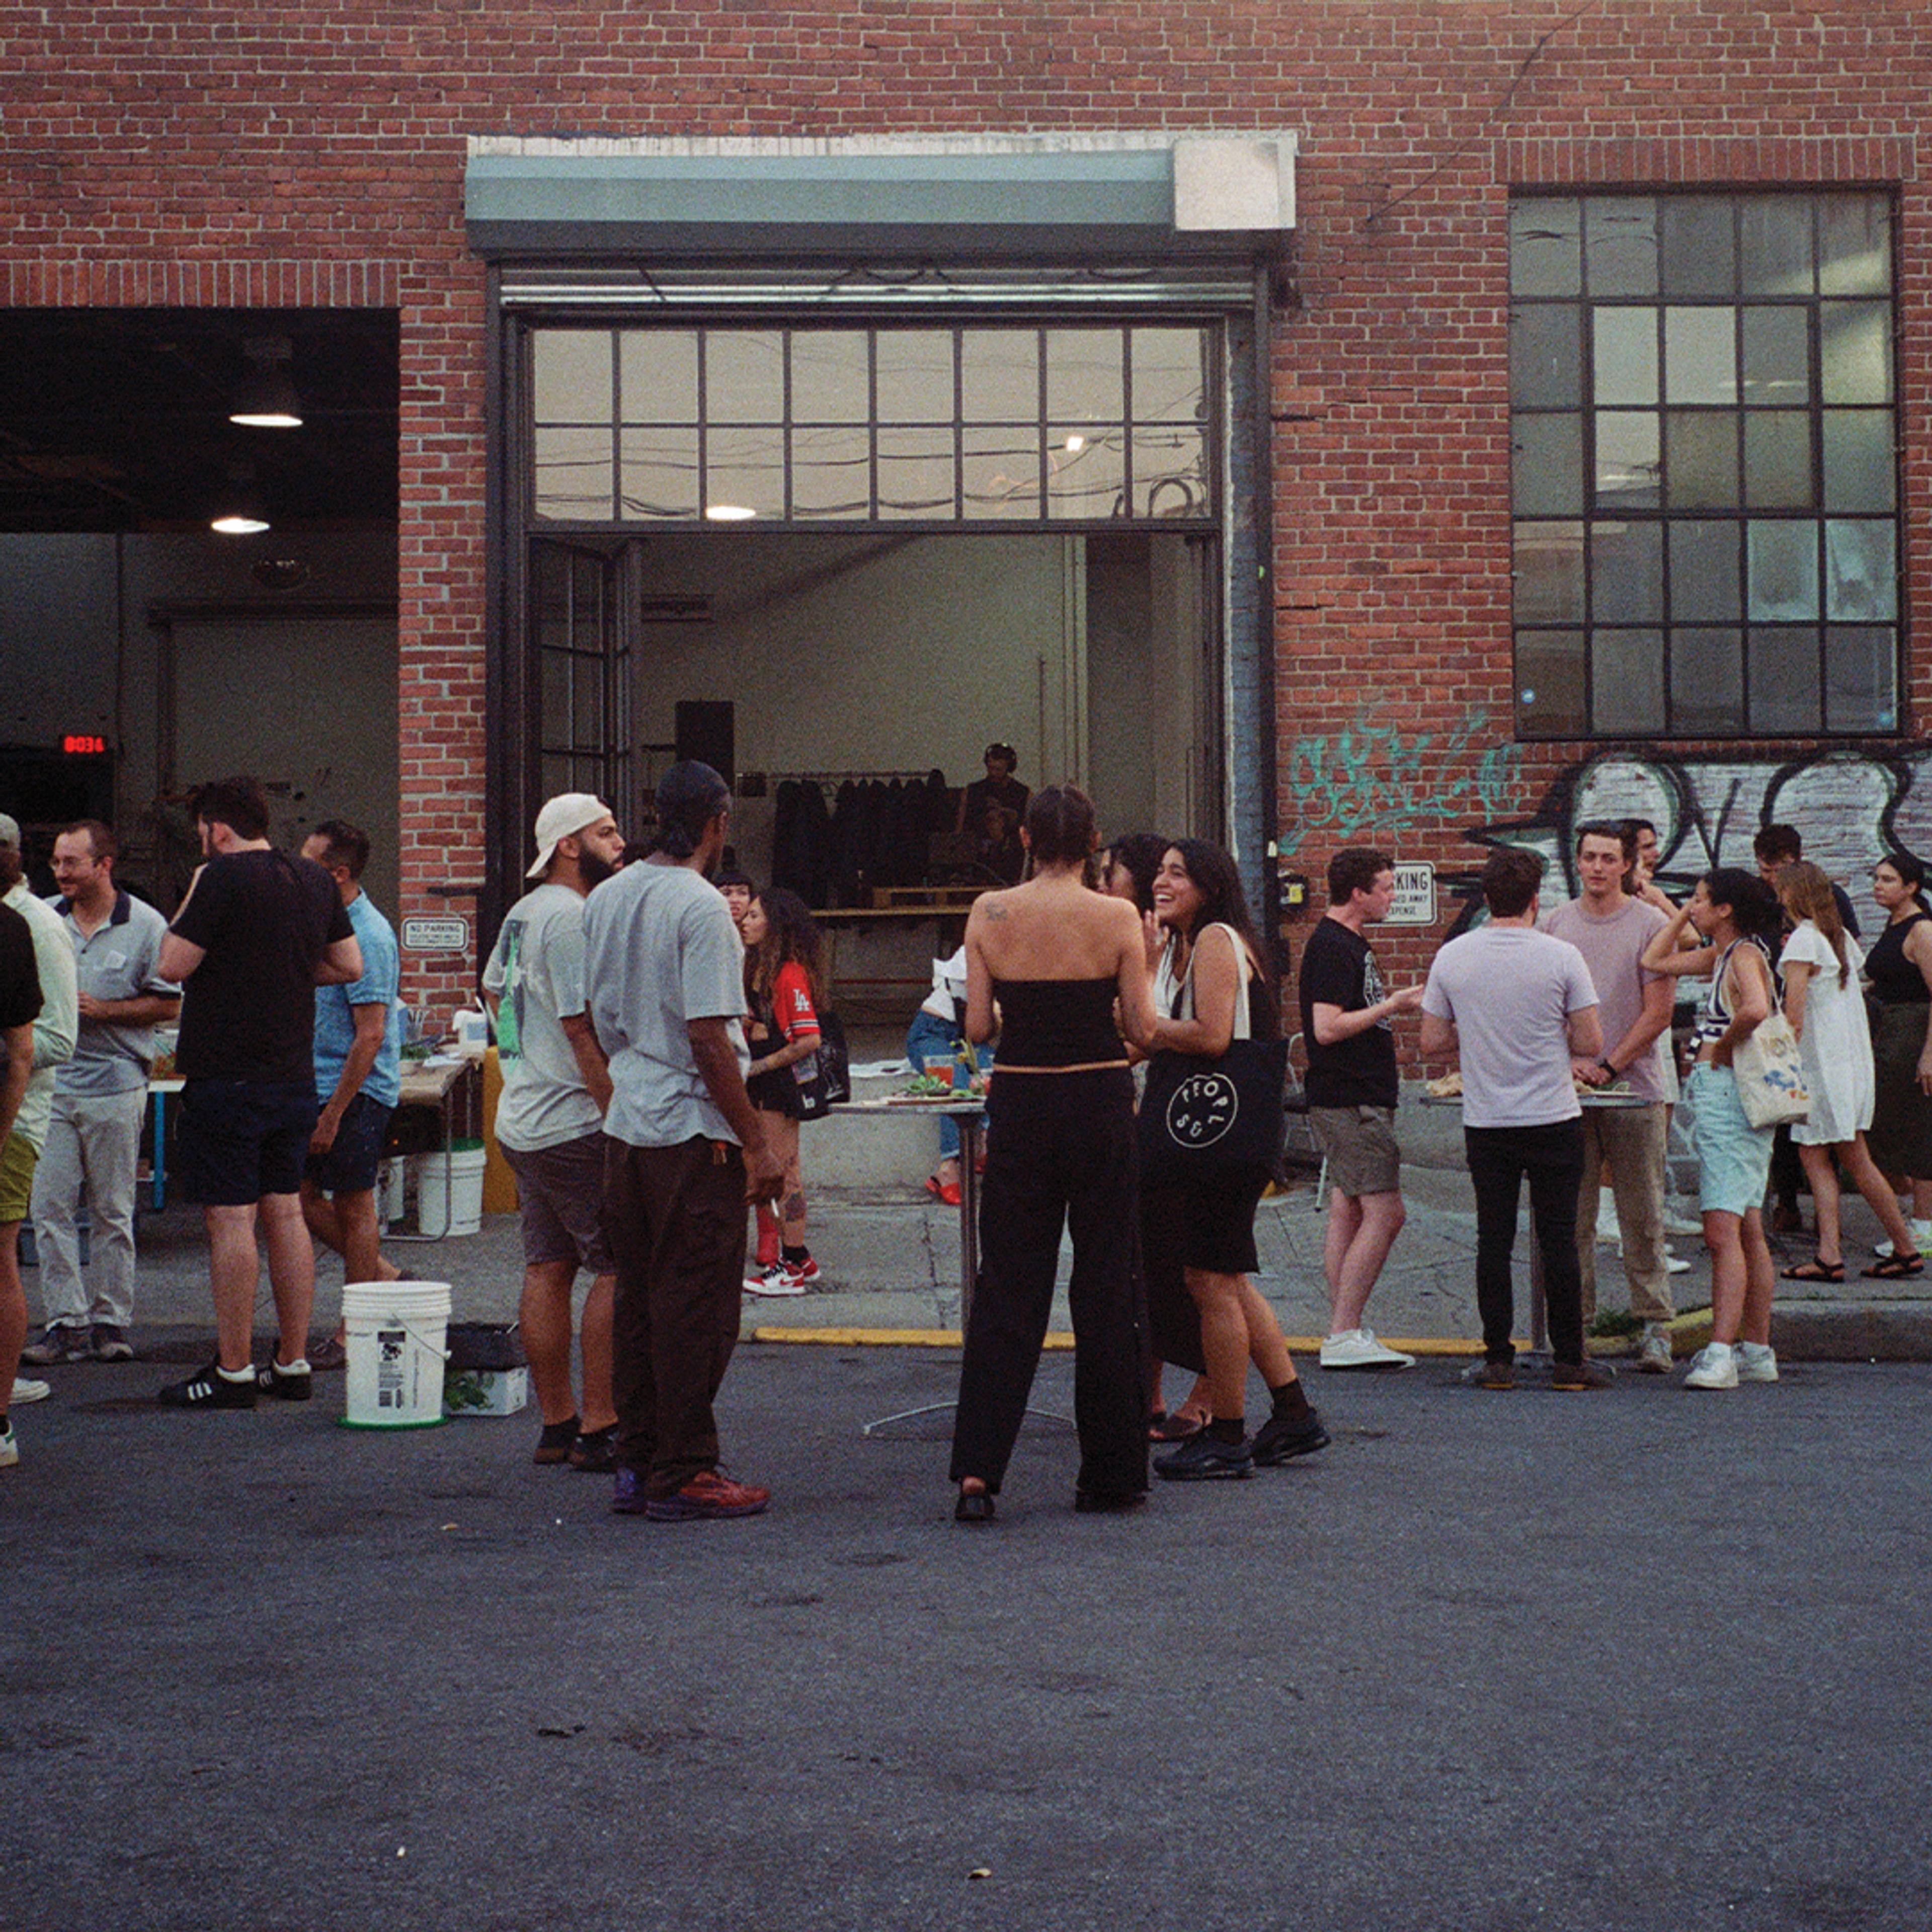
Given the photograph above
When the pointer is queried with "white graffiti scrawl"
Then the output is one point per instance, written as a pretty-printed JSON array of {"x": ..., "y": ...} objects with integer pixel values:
[{"x": 1849, "y": 806}]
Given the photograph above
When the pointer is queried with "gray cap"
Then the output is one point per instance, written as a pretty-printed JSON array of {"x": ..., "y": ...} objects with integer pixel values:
[{"x": 10, "y": 831}]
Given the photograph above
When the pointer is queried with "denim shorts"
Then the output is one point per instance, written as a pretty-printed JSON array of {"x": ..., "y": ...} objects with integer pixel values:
[
  {"x": 238, "y": 1140},
  {"x": 350, "y": 1164},
  {"x": 1733, "y": 1157}
]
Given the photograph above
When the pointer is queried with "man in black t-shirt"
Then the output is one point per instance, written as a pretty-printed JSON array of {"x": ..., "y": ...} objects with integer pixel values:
[
  {"x": 20, "y": 1007},
  {"x": 258, "y": 932},
  {"x": 1353, "y": 1090}
]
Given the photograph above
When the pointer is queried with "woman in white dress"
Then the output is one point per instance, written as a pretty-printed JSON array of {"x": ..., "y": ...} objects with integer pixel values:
[{"x": 1824, "y": 1003}]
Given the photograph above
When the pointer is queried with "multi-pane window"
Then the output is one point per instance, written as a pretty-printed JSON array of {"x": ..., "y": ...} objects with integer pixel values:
[
  {"x": 1704, "y": 465},
  {"x": 952, "y": 424}
]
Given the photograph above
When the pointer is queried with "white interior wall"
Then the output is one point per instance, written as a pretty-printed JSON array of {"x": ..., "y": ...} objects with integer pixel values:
[{"x": 865, "y": 654}]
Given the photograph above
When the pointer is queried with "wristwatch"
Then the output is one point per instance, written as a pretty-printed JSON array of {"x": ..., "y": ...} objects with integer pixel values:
[{"x": 1604, "y": 1063}]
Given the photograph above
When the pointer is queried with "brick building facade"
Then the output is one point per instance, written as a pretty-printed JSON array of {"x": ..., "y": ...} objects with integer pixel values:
[{"x": 317, "y": 157}]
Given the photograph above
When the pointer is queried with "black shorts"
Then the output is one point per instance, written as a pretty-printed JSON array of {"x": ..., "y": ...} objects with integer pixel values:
[
  {"x": 238, "y": 1140},
  {"x": 350, "y": 1165},
  {"x": 1207, "y": 1223}
]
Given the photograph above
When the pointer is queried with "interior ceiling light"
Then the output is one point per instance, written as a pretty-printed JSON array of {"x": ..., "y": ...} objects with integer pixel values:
[
  {"x": 243, "y": 514},
  {"x": 266, "y": 398}
]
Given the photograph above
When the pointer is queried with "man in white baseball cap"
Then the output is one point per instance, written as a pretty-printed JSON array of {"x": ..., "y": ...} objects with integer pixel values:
[
  {"x": 562, "y": 817},
  {"x": 550, "y": 1123}
]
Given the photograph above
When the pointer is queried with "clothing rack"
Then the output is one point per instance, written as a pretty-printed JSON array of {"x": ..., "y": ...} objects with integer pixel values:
[{"x": 836, "y": 779}]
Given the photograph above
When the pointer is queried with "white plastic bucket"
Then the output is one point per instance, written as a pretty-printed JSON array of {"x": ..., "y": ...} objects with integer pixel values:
[
  {"x": 396, "y": 1332},
  {"x": 449, "y": 1190}
]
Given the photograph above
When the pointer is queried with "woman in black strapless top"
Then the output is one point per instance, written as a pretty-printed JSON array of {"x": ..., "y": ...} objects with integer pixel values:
[
  {"x": 1056, "y": 956},
  {"x": 1900, "y": 968}
]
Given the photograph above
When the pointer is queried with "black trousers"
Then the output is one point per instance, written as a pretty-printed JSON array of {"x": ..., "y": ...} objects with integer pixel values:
[
  {"x": 674, "y": 1221},
  {"x": 1059, "y": 1155},
  {"x": 1551, "y": 1157}
]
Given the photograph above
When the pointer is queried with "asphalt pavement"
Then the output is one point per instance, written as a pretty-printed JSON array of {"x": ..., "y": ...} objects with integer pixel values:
[{"x": 1637, "y": 1658}]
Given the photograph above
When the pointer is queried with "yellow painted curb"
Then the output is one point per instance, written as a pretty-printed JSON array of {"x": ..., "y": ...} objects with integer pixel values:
[{"x": 1435, "y": 1346}]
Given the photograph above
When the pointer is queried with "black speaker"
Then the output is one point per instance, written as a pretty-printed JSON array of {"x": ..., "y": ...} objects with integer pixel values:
[{"x": 707, "y": 730}]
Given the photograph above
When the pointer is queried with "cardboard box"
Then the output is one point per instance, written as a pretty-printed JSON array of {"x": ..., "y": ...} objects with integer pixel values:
[{"x": 485, "y": 1391}]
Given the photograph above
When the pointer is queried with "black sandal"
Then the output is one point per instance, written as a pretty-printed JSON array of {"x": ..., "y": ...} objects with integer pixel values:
[
  {"x": 1816, "y": 1269},
  {"x": 1896, "y": 1267}
]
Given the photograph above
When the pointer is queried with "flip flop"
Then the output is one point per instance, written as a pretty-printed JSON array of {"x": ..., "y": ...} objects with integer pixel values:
[
  {"x": 1178, "y": 1427},
  {"x": 1816, "y": 1269},
  {"x": 1896, "y": 1268}
]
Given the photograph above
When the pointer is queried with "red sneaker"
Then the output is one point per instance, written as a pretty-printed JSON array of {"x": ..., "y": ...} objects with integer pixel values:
[{"x": 708, "y": 1495}]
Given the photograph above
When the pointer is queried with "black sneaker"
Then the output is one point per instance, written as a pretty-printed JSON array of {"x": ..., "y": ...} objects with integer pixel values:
[
  {"x": 1278, "y": 1441},
  {"x": 111, "y": 1344},
  {"x": 1205, "y": 1458},
  {"x": 595, "y": 1451},
  {"x": 555, "y": 1442},
  {"x": 209, "y": 1388},
  {"x": 285, "y": 1384}
]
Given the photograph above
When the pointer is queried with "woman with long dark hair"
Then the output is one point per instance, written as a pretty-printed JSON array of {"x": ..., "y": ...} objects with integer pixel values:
[
  {"x": 1737, "y": 916},
  {"x": 1899, "y": 967},
  {"x": 1056, "y": 957},
  {"x": 1197, "y": 1233},
  {"x": 785, "y": 985}
]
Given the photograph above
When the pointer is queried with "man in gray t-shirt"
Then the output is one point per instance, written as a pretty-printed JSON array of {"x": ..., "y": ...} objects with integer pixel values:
[
  {"x": 1518, "y": 1007},
  {"x": 664, "y": 972},
  {"x": 549, "y": 1124},
  {"x": 1611, "y": 930}
]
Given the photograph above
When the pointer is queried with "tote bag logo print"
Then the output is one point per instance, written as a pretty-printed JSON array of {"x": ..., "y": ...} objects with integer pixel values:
[{"x": 1203, "y": 1109}]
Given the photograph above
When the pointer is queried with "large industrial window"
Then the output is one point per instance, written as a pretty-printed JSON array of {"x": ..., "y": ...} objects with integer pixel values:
[
  {"x": 1704, "y": 465},
  {"x": 941, "y": 425}
]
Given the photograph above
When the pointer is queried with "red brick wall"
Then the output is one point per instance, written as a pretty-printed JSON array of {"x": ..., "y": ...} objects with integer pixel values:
[{"x": 314, "y": 154}]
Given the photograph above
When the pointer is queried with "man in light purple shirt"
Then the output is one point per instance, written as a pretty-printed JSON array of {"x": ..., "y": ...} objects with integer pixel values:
[
  {"x": 1611, "y": 929},
  {"x": 1518, "y": 1008}
]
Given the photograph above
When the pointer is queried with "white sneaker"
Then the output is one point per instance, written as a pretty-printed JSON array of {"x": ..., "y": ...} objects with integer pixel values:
[
  {"x": 1357, "y": 1349},
  {"x": 1675, "y": 1263},
  {"x": 1921, "y": 1239},
  {"x": 1757, "y": 1362},
  {"x": 775, "y": 1279},
  {"x": 1653, "y": 1358},
  {"x": 10, "y": 1450},
  {"x": 1608, "y": 1233},
  {"x": 1681, "y": 1224},
  {"x": 1715, "y": 1367},
  {"x": 25, "y": 1389}
]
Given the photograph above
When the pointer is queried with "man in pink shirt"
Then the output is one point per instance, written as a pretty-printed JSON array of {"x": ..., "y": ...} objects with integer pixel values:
[{"x": 1611, "y": 929}]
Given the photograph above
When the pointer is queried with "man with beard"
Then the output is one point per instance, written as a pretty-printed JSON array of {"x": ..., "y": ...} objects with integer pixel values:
[{"x": 550, "y": 1121}]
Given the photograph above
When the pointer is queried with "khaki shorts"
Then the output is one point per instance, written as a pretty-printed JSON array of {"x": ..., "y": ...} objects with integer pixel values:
[
  {"x": 1361, "y": 1145},
  {"x": 18, "y": 1159}
]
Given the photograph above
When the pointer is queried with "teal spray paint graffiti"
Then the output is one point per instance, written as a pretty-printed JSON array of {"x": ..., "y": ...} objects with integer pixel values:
[{"x": 1369, "y": 777}]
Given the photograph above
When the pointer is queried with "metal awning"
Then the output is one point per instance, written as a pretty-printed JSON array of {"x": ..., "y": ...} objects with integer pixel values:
[{"x": 1073, "y": 200}]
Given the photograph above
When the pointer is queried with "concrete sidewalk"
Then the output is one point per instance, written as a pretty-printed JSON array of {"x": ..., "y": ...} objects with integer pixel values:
[{"x": 891, "y": 1258}]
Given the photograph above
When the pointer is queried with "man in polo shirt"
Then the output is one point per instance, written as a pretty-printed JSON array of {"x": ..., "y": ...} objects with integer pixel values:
[
  {"x": 257, "y": 933},
  {"x": 94, "y": 1136},
  {"x": 664, "y": 972}
]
